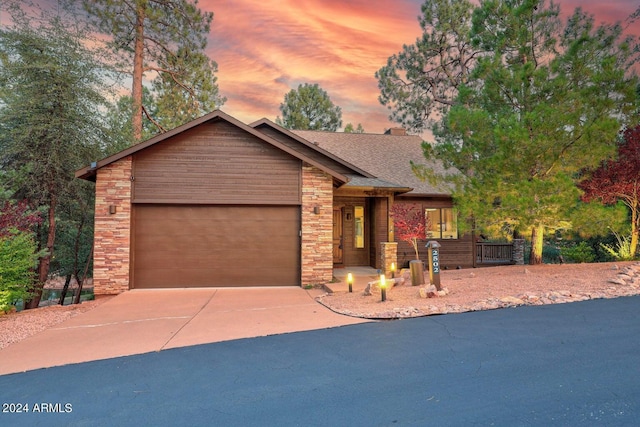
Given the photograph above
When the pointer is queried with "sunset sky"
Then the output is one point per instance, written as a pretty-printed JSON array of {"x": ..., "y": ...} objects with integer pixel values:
[{"x": 266, "y": 48}]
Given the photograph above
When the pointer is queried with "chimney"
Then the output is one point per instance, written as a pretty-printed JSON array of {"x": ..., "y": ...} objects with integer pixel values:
[{"x": 396, "y": 131}]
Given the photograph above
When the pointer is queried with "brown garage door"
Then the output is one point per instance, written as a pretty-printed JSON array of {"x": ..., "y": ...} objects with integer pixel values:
[{"x": 199, "y": 246}]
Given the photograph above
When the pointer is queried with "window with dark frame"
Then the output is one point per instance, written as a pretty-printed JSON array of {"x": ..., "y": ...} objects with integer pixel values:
[{"x": 442, "y": 223}]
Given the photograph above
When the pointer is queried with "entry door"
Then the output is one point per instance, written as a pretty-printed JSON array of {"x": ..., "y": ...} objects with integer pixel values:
[{"x": 337, "y": 236}]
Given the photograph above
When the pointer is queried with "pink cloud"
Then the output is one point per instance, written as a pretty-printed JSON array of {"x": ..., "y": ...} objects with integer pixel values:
[
  {"x": 606, "y": 12},
  {"x": 264, "y": 49}
]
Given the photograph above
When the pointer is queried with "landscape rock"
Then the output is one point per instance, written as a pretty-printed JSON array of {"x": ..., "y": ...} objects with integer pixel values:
[
  {"x": 429, "y": 291},
  {"x": 512, "y": 301},
  {"x": 443, "y": 292},
  {"x": 374, "y": 286},
  {"x": 625, "y": 283}
]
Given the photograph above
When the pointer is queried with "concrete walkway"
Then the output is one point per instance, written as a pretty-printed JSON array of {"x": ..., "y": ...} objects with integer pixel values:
[
  {"x": 361, "y": 276},
  {"x": 142, "y": 321}
]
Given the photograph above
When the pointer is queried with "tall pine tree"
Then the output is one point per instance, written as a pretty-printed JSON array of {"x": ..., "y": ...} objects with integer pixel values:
[
  {"x": 543, "y": 101},
  {"x": 166, "y": 38}
]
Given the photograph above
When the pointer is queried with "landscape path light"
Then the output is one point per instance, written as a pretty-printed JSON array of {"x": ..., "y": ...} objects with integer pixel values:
[
  {"x": 350, "y": 281},
  {"x": 383, "y": 287}
]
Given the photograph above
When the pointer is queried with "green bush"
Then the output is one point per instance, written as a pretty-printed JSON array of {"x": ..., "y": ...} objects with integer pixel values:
[
  {"x": 17, "y": 260},
  {"x": 550, "y": 253},
  {"x": 621, "y": 251},
  {"x": 581, "y": 252}
]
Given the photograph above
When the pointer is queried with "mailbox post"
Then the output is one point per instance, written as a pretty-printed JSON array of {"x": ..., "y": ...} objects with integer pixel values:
[{"x": 434, "y": 263}]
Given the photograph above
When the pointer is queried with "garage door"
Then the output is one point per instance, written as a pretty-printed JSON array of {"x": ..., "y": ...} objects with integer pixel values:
[{"x": 230, "y": 246}]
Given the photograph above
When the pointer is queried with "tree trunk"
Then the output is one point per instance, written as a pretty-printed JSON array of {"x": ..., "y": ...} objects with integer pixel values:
[
  {"x": 537, "y": 238},
  {"x": 84, "y": 277},
  {"x": 138, "y": 71},
  {"x": 76, "y": 299},
  {"x": 45, "y": 261},
  {"x": 65, "y": 288}
]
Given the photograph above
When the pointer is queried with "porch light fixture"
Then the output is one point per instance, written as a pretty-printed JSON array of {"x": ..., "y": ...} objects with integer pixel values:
[
  {"x": 316, "y": 210},
  {"x": 383, "y": 287},
  {"x": 350, "y": 281},
  {"x": 112, "y": 209}
]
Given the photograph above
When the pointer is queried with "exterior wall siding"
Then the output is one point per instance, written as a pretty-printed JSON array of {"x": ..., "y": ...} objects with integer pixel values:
[
  {"x": 216, "y": 163},
  {"x": 317, "y": 229},
  {"x": 454, "y": 253},
  {"x": 112, "y": 234}
]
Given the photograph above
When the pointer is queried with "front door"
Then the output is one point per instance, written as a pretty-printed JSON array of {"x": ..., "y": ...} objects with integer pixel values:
[{"x": 337, "y": 236}]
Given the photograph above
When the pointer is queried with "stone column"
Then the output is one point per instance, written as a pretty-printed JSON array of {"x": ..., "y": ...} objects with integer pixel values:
[
  {"x": 112, "y": 229},
  {"x": 316, "y": 227},
  {"x": 518, "y": 251},
  {"x": 389, "y": 252}
]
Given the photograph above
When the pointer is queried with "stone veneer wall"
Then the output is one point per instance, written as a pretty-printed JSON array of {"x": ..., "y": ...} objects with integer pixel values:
[
  {"x": 317, "y": 229},
  {"x": 389, "y": 255},
  {"x": 518, "y": 251},
  {"x": 112, "y": 234}
]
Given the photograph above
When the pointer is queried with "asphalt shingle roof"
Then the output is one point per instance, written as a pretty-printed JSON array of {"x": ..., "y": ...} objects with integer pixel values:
[{"x": 387, "y": 157}]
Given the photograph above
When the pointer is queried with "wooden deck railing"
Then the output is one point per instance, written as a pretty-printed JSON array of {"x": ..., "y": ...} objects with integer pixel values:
[{"x": 494, "y": 253}]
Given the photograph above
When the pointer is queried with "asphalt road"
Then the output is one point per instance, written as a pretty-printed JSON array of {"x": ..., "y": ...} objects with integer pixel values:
[{"x": 569, "y": 364}]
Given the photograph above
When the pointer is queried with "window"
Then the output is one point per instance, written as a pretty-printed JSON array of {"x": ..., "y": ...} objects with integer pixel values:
[
  {"x": 442, "y": 223},
  {"x": 358, "y": 216}
]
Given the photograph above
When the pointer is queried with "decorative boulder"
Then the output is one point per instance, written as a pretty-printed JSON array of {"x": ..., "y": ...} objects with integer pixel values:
[
  {"x": 374, "y": 286},
  {"x": 431, "y": 291}
]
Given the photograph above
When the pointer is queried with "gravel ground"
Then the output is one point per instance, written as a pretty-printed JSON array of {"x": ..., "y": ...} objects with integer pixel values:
[
  {"x": 15, "y": 327},
  {"x": 494, "y": 287}
]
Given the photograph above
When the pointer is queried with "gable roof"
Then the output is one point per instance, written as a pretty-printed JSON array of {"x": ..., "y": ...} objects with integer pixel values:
[
  {"x": 339, "y": 174},
  {"x": 387, "y": 157},
  {"x": 362, "y": 180},
  {"x": 298, "y": 143},
  {"x": 354, "y": 160}
]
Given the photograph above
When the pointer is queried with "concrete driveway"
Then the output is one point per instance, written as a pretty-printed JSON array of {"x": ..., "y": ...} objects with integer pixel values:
[{"x": 142, "y": 321}]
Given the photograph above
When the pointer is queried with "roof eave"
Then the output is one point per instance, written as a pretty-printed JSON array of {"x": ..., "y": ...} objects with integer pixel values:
[
  {"x": 413, "y": 194},
  {"x": 399, "y": 190}
]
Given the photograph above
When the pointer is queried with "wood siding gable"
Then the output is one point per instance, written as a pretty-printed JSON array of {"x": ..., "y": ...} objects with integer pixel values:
[
  {"x": 89, "y": 172},
  {"x": 216, "y": 163}
]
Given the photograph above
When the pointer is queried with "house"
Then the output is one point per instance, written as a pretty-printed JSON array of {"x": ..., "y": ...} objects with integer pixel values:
[
  {"x": 388, "y": 157},
  {"x": 217, "y": 202}
]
